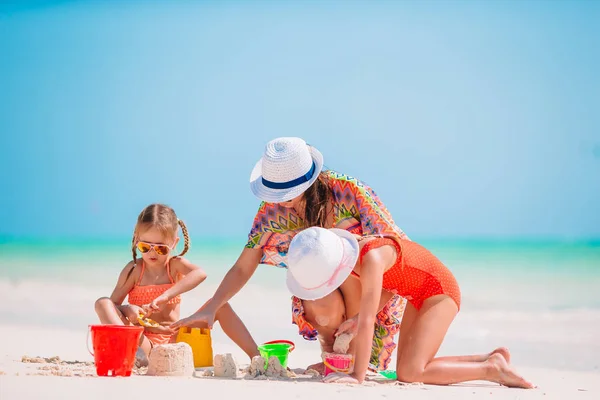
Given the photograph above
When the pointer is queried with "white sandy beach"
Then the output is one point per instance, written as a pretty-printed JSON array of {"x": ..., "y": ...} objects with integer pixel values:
[
  {"x": 553, "y": 385},
  {"x": 557, "y": 351},
  {"x": 31, "y": 381}
]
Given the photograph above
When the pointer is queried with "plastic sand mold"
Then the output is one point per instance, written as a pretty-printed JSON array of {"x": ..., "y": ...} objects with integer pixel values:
[
  {"x": 147, "y": 322},
  {"x": 389, "y": 374}
]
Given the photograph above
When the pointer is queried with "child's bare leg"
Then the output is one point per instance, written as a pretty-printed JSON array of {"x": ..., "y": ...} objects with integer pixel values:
[
  {"x": 108, "y": 313},
  {"x": 233, "y": 327},
  {"x": 328, "y": 313},
  {"x": 142, "y": 353},
  {"x": 416, "y": 361},
  {"x": 325, "y": 315},
  {"x": 351, "y": 290},
  {"x": 503, "y": 351},
  {"x": 410, "y": 314}
]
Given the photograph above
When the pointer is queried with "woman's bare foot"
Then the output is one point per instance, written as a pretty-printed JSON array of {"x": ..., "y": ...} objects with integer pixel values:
[
  {"x": 503, "y": 351},
  {"x": 504, "y": 374},
  {"x": 319, "y": 367}
]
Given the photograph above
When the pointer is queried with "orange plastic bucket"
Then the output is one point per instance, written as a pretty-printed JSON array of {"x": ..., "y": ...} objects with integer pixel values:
[{"x": 114, "y": 348}]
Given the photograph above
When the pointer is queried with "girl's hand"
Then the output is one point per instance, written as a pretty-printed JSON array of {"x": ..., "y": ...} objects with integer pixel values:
[
  {"x": 338, "y": 377},
  {"x": 348, "y": 326},
  {"x": 156, "y": 304},
  {"x": 132, "y": 312}
]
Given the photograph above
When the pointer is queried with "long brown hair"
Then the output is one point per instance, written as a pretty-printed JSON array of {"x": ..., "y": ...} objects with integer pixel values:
[
  {"x": 316, "y": 200},
  {"x": 162, "y": 217}
]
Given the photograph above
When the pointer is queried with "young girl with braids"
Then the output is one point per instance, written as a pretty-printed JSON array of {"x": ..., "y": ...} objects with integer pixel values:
[{"x": 154, "y": 283}]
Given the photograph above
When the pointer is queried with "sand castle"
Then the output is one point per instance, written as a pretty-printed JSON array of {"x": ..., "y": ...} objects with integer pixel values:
[{"x": 173, "y": 359}]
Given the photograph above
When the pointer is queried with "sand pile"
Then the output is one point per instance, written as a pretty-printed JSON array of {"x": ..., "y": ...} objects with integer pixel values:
[
  {"x": 54, "y": 366},
  {"x": 173, "y": 359},
  {"x": 225, "y": 366},
  {"x": 256, "y": 369},
  {"x": 276, "y": 370},
  {"x": 342, "y": 343},
  {"x": 273, "y": 369},
  {"x": 41, "y": 360}
]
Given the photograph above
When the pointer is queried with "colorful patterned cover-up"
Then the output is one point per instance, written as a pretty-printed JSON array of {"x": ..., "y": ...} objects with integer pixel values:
[{"x": 356, "y": 209}]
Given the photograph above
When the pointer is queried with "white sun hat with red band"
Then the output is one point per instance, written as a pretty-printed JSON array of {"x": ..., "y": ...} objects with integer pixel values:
[
  {"x": 319, "y": 260},
  {"x": 287, "y": 168}
]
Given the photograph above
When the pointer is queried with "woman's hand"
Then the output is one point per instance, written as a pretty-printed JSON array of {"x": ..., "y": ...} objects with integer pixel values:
[
  {"x": 203, "y": 318},
  {"x": 349, "y": 326},
  {"x": 338, "y": 377}
]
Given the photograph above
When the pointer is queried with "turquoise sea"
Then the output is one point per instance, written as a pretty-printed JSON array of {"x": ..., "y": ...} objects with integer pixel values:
[{"x": 510, "y": 264}]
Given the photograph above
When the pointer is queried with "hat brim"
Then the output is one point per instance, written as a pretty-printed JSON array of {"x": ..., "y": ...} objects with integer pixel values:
[
  {"x": 351, "y": 250},
  {"x": 280, "y": 195}
]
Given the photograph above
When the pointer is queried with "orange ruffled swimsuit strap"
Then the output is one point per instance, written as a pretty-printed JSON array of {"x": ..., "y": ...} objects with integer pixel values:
[
  {"x": 141, "y": 295},
  {"x": 417, "y": 274}
]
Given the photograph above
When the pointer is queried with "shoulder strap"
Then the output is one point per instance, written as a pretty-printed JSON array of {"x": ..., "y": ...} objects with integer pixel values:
[
  {"x": 141, "y": 274},
  {"x": 169, "y": 271}
]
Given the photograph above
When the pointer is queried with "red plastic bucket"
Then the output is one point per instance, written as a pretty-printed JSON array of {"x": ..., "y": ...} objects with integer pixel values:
[
  {"x": 338, "y": 363},
  {"x": 114, "y": 348}
]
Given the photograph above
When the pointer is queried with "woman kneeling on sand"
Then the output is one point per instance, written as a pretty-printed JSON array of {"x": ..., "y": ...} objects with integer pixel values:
[{"x": 297, "y": 193}]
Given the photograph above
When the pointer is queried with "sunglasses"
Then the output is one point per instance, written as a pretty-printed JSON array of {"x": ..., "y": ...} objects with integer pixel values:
[{"x": 160, "y": 249}]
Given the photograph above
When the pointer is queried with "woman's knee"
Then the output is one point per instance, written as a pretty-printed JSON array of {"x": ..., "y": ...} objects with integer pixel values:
[{"x": 328, "y": 311}]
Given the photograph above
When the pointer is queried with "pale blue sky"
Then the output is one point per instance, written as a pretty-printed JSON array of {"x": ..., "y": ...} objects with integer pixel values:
[{"x": 470, "y": 119}]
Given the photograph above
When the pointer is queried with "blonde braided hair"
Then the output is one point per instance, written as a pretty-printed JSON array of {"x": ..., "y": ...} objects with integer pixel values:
[{"x": 186, "y": 237}]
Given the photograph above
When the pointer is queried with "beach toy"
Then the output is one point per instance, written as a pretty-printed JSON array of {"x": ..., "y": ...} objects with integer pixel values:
[
  {"x": 278, "y": 348},
  {"x": 201, "y": 344},
  {"x": 389, "y": 374},
  {"x": 147, "y": 322},
  {"x": 114, "y": 348},
  {"x": 335, "y": 362}
]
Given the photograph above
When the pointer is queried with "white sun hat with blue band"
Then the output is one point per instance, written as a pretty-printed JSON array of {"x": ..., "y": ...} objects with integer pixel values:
[{"x": 288, "y": 167}]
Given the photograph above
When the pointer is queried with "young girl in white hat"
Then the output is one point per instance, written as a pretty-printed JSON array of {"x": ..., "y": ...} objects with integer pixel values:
[{"x": 321, "y": 260}]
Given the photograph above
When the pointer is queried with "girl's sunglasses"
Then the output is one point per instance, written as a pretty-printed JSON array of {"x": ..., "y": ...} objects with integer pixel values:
[{"x": 160, "y": 249}]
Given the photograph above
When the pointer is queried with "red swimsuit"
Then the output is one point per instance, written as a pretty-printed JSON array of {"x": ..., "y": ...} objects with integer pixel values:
[{"x": 417, "y": 274}]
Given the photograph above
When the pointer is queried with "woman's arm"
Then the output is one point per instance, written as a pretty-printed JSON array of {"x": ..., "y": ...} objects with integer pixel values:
[
  {"x": 237, "y": 277},
  {"x": 233, "y": 282}
]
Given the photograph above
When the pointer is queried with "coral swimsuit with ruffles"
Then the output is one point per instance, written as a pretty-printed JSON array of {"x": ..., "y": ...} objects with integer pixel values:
[
  {"x": 417, "y": 274},
  {"x": 141, "y": 295}
]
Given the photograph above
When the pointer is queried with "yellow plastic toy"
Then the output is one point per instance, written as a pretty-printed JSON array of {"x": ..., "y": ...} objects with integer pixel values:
[
  {"x": 201, "y": 344},
  {"x": 145, "y": 321}
]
